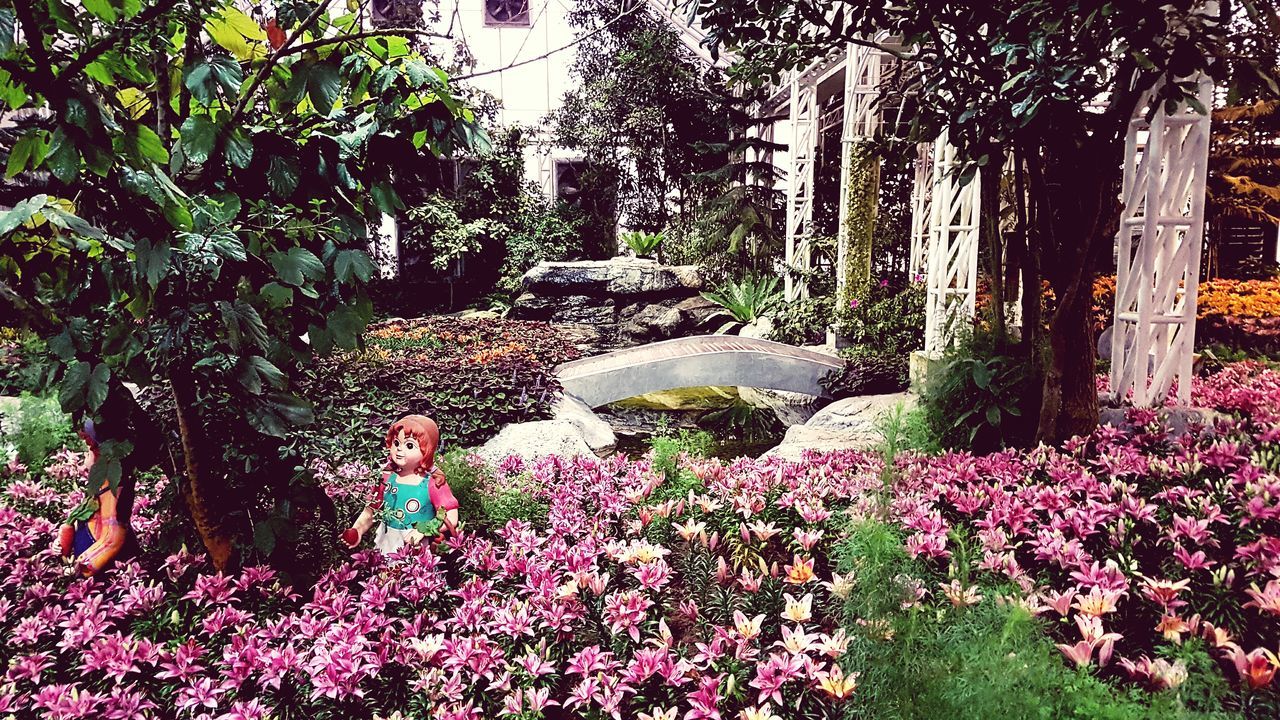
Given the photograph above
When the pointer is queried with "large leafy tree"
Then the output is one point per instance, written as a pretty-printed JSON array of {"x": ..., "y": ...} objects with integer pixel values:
[
  {"x": 195, "y": 190},
  {"x": 1052, "y": 82}
]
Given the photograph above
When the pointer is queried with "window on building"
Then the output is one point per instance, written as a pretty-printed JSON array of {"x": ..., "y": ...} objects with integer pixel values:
[
  {"x": 506, "y": 12},
  {"x": 569, "y": 180}
]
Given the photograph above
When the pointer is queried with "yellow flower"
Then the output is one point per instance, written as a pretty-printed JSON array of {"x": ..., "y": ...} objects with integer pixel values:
[
  {"x": 836, "y": 684},
  {"x": 748, "y": 629}
]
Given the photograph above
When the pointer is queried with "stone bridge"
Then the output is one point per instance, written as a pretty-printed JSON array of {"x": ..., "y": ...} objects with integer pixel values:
[{"x": 699, "y": 361}]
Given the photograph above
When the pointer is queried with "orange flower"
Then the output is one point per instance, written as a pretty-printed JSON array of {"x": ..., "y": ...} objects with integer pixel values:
[{"x": 800, "y": 571}]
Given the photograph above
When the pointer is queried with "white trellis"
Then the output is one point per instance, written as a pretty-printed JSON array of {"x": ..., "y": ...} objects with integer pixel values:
[
  {"x": 804, "y": 151},
  {"x": 921, "y": 203},
  {"x": 862, "y": 70},
  {"x": 1158, "y": 252},
  {"x": 952, "y": 267}
]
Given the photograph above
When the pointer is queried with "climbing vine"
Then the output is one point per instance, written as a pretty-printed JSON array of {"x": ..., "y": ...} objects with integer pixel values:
[{"x": 860, "y": 223}]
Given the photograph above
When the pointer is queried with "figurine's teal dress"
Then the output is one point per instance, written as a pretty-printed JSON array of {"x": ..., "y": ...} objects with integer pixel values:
[{"x": 403, "y": 506}]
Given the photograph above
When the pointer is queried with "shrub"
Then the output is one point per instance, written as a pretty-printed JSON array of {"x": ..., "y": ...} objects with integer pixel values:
[
  {"x": 868, "y": 371},
  {"x": 545, "y": 232},
  {"x": 37, "y": 429},
  {"x": 471, "y": 376},
  {"x": 748, "y": 300},
  {"x": 803, "y": 322},
  {"x": 23, "y": 362},
  {"x": 976, "y": 398},
  {"x": 889, "y": 321}
]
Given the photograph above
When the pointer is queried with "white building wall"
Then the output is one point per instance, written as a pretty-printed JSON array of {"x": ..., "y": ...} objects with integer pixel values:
[{"x": 525, "y": 67}]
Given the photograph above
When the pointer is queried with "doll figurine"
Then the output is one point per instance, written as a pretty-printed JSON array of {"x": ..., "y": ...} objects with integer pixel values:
[
  {"x": 414, "y": 500},
  {"x": 93, "y": 535}
]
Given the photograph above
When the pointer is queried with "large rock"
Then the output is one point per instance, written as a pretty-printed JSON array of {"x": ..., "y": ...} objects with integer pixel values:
[
  {"x": 566, "y": 309},
  {"x": 791, "y": 408},
  {"x": 533, "y": 440},
  {"x": 848, "y": 424},
  {"x": 597, "y": 433},
  {"x": 620, "y": 276},
  {"x": 1177, "y": 420}
]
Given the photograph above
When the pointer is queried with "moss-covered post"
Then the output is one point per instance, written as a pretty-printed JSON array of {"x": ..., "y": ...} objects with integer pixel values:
[{"x": 853, "y": 259}]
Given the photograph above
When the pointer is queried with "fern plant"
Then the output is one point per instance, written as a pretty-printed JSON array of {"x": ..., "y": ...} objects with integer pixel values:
[
  {"x": 748, "y": 300},
  {"x": 643, "y": 244}
]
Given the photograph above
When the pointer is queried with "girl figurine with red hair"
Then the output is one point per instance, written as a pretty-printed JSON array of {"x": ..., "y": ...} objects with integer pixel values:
[
  {"x": 414, "y": 500},
  {"x": 93, "y": 535}
]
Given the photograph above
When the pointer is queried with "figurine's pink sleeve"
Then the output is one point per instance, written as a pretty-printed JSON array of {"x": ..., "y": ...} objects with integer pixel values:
[{"x": 441, "y": 495}]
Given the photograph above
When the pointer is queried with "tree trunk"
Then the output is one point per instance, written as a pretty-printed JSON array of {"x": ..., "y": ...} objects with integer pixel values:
[
  {"x": 989, "y": 235},
  {"x": 1079, "y": 191},
  {"x": 198, "y": 491},
  {"x": 1070, "y": 395}
]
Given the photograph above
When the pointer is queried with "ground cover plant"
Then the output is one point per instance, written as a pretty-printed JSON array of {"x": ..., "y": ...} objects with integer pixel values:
[{"x": 471, "y": 375}]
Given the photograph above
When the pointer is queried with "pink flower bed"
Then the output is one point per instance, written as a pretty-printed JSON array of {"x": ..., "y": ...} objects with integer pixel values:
[
  {"x": 709, "y": 606},
  {"x": 725, "y": 603},
  {"x": 1138, "y": 539}
]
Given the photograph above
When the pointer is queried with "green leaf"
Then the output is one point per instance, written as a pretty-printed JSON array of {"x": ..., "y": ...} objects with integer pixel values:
[
  {"x": 7, "y": 18},
  {"x": 323, "y": 86},
  {"x": 242, "y": 323},
  {"x": 282, "y": 176},
  {"x": 21, "y": 153},
  {"x": 385, "y": 197},
  {"x": 152, "y": 261},
  {"x": 199, "y": 80},
  {"x": 345, "y": 326},
  {"x": 145, "y": 146},
  {"x": 296, "y": 265},
  {"x": 98, "y": 385},
  {"x": 276, "y": 295},
  {"x": 350, "y": 264},
  {"x": 198, "y": 135},
  {"x": 993, "y": 415},
  {"x": 255, "y": 370},
  {"x": 228, "y": 74},
  {"x": 178, "y": 215},
  {"x": 21, "y": 213},
  {"x": 63, "y": 159},
  {"x": 239, "y": 148},
  {"x": 71, "y": 393},
  {"x": 277, "y": 412},
  {"x": 102, "y": 8}
]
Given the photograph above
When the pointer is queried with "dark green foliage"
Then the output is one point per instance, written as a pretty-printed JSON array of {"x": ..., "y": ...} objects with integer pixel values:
[
  {"x": 883, "y": 328},
  {"x": 24, "y": 362},
  {"x": 470, "y": 376},
  {"x": 868, "y": 372},
  {"x": 984, "y": 661},
  {"x": 743, "y": 421},
  {"x": 890, "y": 319},
  {"x": 977, "y": 397},
  {"x": 803, "y": 322}
]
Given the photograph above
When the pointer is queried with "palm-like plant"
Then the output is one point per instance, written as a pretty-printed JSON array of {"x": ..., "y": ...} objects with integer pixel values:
[
  {"x": 643, "y": 244},
  {"x": 748, "y": 300}
]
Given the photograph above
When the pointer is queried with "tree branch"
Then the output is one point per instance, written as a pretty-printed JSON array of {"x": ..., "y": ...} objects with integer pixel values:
[
  {"x": 35, "y": 41},
  {"x": 271, "y": 62},
  {"x": 125, "y": 31},
  {"x": 362, "y": 35}
]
